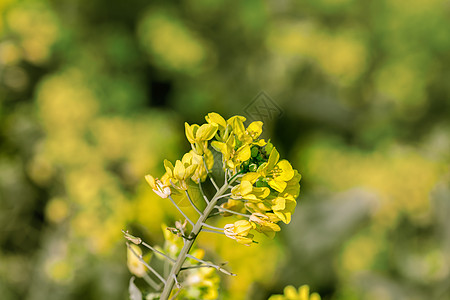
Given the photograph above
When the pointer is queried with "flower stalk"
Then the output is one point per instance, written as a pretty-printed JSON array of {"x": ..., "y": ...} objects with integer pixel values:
[{"x": 188, "y": 245}]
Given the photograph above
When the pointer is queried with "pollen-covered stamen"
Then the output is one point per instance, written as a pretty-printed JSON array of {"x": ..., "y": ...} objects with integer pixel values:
[{"x": 275, "y": 172}]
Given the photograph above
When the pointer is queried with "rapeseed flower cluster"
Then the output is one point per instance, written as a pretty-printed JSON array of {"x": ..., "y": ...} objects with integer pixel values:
[
  {"x": 259, "y": 190},
  {"x": 266, "y": 186}
]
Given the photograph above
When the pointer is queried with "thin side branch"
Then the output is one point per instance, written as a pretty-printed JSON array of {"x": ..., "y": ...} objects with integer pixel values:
[
  {"x": 192, "y": 203},
  {"x": 203, "y": 194},
  {"x": 170, "y": 259},
  {"x": 179, "y": 209},
  {"x": 212, "y": 231},
  {"x": 212, "y": 227},
  {"x": 218, "y": 268},
  {"x": 195, "y": 267},
  {"x": 232, "y": 211},
  {"x": 224, "y": 196}
]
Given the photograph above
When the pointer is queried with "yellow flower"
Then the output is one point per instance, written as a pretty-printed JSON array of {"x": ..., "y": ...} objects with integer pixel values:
[
  {"x": 283, "y": 208},
  {"x": 265, "y": 224},
  {"x": 290, "y": 293},
  {"x": 237, "y": 125},
  {"x": 182, "y": 170},
  {"x": 252, "y": 133},
  {"x": 234, "y": 205},
  {"x": 276, "y": 172},
  {"x": 246, "y": 136},
  {"x": 160, "y": 187},
  {"x": 246, "y": 190},
  {"x": 134, "y": 264},
  {"x": 240, "y": 231},
  {"x": 232, "y": 157},
  {"x": 200, "y": 173},
  {"x": 259, "y": 207},
  {"x": 283, "y": 205},
  {"x": 216, "y": 119},
  {"x": 199, "y": 135}
]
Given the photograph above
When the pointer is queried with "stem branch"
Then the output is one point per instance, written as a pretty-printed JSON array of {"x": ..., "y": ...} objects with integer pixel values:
[{"x": 189, "y": 243}]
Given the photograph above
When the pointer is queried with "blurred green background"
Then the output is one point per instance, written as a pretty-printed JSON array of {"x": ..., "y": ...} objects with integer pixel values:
[{"x": 94, "y": 94}]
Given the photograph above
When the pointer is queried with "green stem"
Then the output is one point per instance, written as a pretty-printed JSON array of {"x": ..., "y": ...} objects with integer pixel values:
[{"x": 188, "y": 245}]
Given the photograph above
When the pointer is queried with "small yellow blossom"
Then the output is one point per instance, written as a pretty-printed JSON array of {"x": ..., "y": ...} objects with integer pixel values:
[
  {"x": 200, "y": 173},
  {"x": 277, "y": 172},
  {"x": 199, "y": 135},
  {"x": 182, "y": 171},
  {"x": 246, "y": 136},
  {"x": 283, "y": 208},
  {"x": 283, "y": 205},
  {"x": 240, "y": 231},
  {"x": 160, "y": 187},
  {"x": 232, "y": 157},
  {"x": 260, "y": 207},
  {"x": 252, "y": 133},
  {"x": 234, "y": 205},
  {"x": 247, "y": 191},
  {"x": 216, "y": 119},
  {"x": 265, "y": 224}
]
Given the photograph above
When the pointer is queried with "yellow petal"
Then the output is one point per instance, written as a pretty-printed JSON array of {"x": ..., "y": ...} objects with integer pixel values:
[
  {"x": 277, "y": 185},
  {"x": 209, "y": 159},
  {"x": 245, "y": 187},
  {"x": 190, "y": 170},
  {"x": 237, "y": 124},
  {"x": 179, "y": 171},
  {"x": 287, "y": 171},
  {"x": 189, "y": 130},
  {"x": 206, "y": 132},
  {"x": 284, "y": 216},
  {"x": 220, "y": 147},
  {"x": 151, "y": 181},
  {"x": 165, "y": 179},
  {"x": 233, "y": 119},
  {"x": 251, "y": 176},
  {"x": 231, "y": 141},
  {"x": 215, "y": 118},
  {"x": 169, "y": 168},
  {"x": 242, "y": 227},
  {"x": 273, "y": 158},
  {"x": 187, "y": 158},
  {"x": 261, "y": 192},
  {"x": 278, "y": 204},
  {"x": 255, "y": 129},
  {"x": 243, "y": 153},
  {"x": 247, "y": 241}
]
